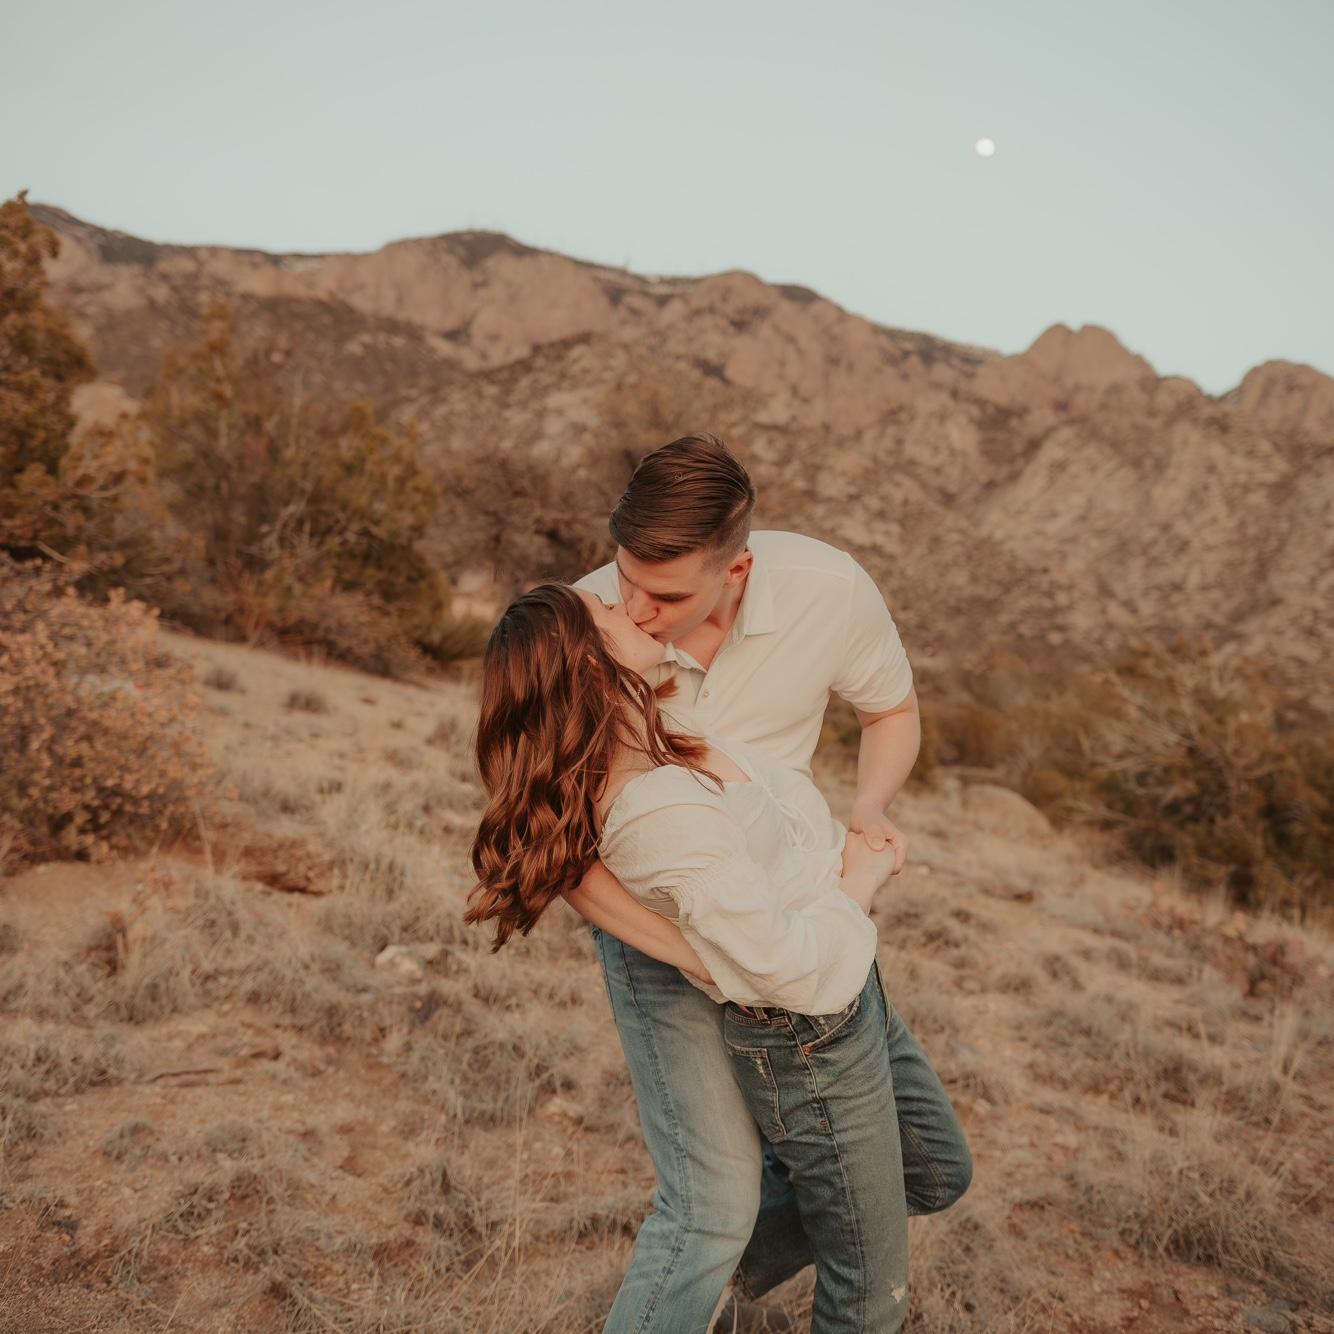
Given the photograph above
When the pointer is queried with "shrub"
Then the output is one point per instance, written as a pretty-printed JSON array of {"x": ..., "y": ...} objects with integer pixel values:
[
  {"x": 218, "y": 677},
  {"x": 42, "y": 364},
  {"x": 83, "y": 493},
  {"x": 306, "y": 701},
  {"x": 1198, "y": 763},
  {"x": 97, "y": 726},
  {"x": 291, "y": 520},
  {"x": 1192, "y": 760}
]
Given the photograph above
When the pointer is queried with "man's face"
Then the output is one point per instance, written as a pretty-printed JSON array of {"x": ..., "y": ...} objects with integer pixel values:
[{"x": 671, "y": 598}]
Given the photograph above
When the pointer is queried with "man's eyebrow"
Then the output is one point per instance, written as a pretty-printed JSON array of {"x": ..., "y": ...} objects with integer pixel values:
[{"x": 670, "y": 596}]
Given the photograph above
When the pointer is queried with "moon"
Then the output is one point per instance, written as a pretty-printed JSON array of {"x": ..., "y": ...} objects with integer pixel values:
[{"x": 985, "y": 147}]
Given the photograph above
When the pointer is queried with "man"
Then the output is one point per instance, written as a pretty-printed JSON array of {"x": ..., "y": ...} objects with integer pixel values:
[{"x": 759, "y": 629}]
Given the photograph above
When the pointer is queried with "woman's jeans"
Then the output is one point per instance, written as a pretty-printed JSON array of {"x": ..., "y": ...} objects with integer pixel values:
[{"x": 728, "y": 1201}]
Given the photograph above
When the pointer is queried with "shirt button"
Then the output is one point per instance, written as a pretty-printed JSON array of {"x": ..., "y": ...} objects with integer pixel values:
[{"x": 705, "y": 694}]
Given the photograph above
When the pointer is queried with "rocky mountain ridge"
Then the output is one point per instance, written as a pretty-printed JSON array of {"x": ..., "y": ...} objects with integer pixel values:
[{"x": 1053, "y": 501}]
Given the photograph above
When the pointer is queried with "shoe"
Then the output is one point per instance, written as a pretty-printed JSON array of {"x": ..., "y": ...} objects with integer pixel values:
[{"x": 751, "y": 1318}]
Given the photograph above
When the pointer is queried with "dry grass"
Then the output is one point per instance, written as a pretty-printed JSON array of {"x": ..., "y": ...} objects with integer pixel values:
[
  {"x": 1205, "y": 1195},
  {"x": 294, "y": 1139},
  {"x": 218, "y": 677},
  {"x": 131, "y": 1142},
  {"x": 307, "y": 701}
]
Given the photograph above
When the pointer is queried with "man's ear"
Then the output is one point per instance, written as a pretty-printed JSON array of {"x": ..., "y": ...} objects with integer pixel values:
[{"x": 740, "y": 567}]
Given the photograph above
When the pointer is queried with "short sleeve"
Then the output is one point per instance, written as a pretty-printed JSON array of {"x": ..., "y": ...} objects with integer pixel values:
[
  {"x": 811, "y": 959},
  {"x": 874, "y": 674}
]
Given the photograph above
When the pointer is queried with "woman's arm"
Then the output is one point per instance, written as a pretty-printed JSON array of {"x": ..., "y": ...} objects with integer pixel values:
[{"x": 602, "y": 900}]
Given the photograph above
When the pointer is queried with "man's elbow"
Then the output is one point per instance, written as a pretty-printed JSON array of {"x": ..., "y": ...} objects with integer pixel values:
[{"x": 906, "y": 706}]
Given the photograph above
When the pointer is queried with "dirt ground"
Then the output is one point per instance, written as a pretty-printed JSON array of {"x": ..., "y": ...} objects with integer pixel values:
[{"x": 218, "y": 1113}]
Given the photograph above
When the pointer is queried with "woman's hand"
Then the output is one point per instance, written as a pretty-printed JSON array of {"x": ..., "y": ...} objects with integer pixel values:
[
  {"x": 697, "y": 970},
  {"x": 879, "y": 831}
]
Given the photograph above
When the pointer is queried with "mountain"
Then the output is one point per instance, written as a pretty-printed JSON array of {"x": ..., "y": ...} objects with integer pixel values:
[{"x": 1053, "y": 502}]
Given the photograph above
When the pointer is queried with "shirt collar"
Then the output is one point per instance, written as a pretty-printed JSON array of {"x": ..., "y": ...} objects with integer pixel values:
[{"x": 755, "y": 615}]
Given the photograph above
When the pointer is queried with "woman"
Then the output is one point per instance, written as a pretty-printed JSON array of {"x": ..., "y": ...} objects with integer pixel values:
[{"x": 768, "y": 898}]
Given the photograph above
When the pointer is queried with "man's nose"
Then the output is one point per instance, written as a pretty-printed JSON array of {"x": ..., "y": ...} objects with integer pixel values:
[{"x": 639, "y": 608}]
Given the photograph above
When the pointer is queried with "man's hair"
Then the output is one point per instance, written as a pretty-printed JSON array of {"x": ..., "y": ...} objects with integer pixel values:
[{"x": 690, "y": 495}]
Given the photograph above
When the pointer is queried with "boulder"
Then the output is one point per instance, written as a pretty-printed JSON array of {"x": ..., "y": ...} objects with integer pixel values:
[{"x": 1001, "y": 811}]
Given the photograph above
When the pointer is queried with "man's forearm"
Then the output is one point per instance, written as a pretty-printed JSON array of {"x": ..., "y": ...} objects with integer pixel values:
[
  {"x": 885, "y": 759},
  {"x": 602, "y": 900}
]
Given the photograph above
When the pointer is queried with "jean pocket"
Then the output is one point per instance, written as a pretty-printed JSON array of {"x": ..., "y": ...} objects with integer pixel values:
[
  {"x": 754, "y": 1075},
  {"x": 819, "y": 1030}
]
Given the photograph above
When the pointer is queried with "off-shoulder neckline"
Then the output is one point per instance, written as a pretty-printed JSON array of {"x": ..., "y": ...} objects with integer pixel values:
[{"x": 610, "y": 817}]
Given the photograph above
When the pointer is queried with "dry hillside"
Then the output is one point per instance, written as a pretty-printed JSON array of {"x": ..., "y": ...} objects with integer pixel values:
[
  {"x": 1052, "y": 502},
  {"x": 218, "y": 1112}
]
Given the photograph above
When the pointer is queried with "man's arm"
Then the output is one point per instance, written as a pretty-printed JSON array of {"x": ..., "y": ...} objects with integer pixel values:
[
  {"x": 889, "y": 745},
  {"x": 876, "y": 679},
  {"x": 602, "y": 900}
]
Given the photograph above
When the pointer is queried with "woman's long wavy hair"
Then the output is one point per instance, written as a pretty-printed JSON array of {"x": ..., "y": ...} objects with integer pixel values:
[{"x": 556, "y": 708}]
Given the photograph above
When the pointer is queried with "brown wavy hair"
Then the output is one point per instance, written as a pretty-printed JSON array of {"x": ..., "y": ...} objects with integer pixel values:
[{"x": 556, "y": 709}]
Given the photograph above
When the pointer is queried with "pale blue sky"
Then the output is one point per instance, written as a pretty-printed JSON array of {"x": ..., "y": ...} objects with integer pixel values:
[{"x": 1164, "y": 166}]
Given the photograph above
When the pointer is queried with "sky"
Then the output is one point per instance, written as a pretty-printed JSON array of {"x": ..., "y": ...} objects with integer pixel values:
[{"x": 1164, "y": 168}]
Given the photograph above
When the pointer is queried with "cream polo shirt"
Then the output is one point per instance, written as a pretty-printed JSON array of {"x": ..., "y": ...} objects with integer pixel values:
[{"x": 811, "y": 623}]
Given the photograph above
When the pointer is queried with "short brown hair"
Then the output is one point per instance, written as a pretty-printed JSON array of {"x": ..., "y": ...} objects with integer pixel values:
[{"x": 689, "y": 495}]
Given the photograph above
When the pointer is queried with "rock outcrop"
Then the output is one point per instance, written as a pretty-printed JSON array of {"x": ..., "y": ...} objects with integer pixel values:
[{"x": 1055, "y": 501}]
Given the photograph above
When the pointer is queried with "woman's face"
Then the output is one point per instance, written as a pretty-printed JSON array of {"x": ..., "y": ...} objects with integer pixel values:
[{"x": 626, "y": 642}]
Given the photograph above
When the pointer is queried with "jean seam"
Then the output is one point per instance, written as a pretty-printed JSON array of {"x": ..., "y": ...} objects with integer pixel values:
[
  {"x": 606, "y": 972},
  {"x": 920, "y": 1144},
  {"x": 654, "y": 1298},
  {"x": 843, "y": 1177}
]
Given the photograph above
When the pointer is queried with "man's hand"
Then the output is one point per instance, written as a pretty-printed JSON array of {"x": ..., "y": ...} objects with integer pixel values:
[
  {"x": 879, "y": 832},
  {"x": 864, "y": 871}
]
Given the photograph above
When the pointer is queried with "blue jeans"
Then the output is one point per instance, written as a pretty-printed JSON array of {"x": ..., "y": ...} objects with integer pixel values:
[
  {"x": 820, "y": 1088},
  {"x": 725, "y": 1201}
]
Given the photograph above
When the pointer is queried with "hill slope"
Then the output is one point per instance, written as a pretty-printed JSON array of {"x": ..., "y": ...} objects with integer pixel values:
[
  {"x": 217, "y": 1113},
  {"x": 1051, "y": 502}
]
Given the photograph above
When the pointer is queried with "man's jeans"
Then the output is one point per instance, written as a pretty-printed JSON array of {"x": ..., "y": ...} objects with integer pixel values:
[
  {"x": 820, "y": 1088},
  {"x": 719, "y": 1206}
]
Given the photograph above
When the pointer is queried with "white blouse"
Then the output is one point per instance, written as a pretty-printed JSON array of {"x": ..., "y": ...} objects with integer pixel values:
[{"x": 750, "y": 875}]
